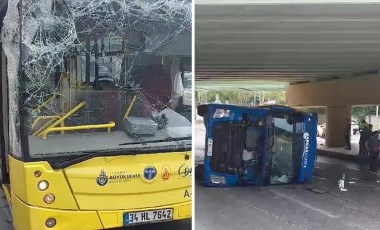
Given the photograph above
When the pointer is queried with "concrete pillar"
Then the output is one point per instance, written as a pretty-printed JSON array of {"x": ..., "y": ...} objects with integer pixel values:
[{"x": 336, "y": 120}]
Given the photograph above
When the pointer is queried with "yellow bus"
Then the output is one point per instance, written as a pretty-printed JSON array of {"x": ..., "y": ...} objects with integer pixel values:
[{"x": 94, "y": 134}]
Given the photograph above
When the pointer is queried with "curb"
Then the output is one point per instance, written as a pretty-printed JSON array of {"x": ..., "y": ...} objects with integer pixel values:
[{"x": 341, "y": 156}]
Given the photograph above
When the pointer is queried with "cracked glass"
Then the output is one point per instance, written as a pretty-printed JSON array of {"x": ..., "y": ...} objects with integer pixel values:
[{"x": 98, "y": 75}]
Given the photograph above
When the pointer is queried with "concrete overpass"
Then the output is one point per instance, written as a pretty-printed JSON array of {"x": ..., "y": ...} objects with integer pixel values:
[{"x": 324, "y": 53}]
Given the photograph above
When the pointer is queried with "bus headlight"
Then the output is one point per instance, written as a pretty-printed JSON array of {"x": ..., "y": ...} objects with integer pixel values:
[
  {"x": 49, "y": 198},
  {"x": 43, "y": 185},
  {"x": 219, "y": 113},
  {"x": 51, "y": 222}
]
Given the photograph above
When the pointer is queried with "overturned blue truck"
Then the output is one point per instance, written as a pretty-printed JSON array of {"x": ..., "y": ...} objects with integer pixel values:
[{"x": 263, "y": 145}]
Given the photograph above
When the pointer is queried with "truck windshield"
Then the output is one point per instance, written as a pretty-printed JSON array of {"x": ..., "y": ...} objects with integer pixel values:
[{"x": 94, "y": 76}]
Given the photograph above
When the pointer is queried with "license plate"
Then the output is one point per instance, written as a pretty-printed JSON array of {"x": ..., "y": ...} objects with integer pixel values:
[{"x": 131, "y": 218}]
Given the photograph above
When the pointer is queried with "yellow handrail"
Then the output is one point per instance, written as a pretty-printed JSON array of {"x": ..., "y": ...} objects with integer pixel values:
[
  {"x": 39, "y": 118},
  {"x": 62, "y": 119},
  {"x": 80, "y": 127},
  {"x": 52, "y": 119},
  {"x": 38, "y": 109},
  {"x": 130, "y": 106}
]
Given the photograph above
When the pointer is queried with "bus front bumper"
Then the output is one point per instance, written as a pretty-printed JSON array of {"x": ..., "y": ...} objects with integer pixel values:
[{"x": 26, "y": 217}]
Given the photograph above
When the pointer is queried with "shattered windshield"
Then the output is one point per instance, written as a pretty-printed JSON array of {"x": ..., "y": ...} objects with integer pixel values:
[{"x": 96, "y": 75}]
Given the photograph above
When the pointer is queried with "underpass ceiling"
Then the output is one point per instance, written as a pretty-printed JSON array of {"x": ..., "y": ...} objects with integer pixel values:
[{"x": 240, "y": 41}]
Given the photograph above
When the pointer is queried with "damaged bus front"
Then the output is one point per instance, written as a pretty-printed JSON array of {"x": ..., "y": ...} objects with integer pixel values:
[
  {"x": 93, "y": 136},
  {"x": 257, "y": 145}
]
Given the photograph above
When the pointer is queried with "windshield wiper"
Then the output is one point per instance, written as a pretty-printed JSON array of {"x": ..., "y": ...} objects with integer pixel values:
[
  {"x": 158, "y": 141},
  {"x": 89, "y": 154},
  {"x": 67, "y": 163},
  {"x": 86, "y": 155}
]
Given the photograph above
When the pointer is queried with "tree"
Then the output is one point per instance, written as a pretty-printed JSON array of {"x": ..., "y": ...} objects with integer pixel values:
[
  {"x": 247, "y": 97},
  {"x": 361, "y": 112}
]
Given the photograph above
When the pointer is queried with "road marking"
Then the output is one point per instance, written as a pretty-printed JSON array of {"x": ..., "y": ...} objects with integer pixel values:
[{"x": 304, "y": 204}]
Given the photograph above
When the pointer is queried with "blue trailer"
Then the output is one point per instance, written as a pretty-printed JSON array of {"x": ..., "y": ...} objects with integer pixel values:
[{"x": 257, "y": 145}]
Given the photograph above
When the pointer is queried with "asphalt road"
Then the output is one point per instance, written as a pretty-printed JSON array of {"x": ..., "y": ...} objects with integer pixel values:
[
  {"x": 295, "y": 206},
  {"x": 5, "y": 216}
]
